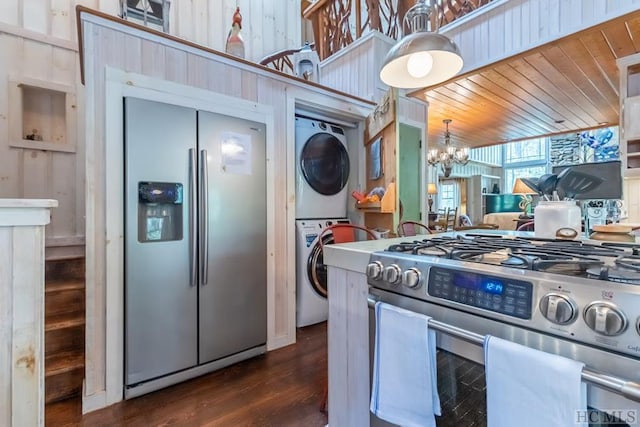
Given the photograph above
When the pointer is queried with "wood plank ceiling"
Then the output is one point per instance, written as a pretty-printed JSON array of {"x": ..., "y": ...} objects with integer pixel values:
[{"x": 564, "y": 86}]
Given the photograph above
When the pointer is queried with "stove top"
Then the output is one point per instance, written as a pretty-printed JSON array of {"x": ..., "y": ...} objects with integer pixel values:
[
  {"x": 584, "y": 291},
  {"x": 617, "y": 262}
]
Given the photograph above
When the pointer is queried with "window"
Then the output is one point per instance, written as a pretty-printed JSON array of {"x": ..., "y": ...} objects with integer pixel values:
[
  {"x": 511, "y": 174},
  {"x": 524, "y": 159},
  {"x": 449, "y": 195},
  {"x": 532, "y": 150}
]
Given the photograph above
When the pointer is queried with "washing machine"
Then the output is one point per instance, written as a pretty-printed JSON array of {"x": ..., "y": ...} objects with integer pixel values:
[
  {"x": 322, "y": 169},
  {"x": 311, "y": 273}
]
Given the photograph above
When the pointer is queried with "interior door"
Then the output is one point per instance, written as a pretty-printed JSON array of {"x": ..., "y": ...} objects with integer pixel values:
[
  {"x": 233, "y": 283},
  {"x": 409, "y": 174}
]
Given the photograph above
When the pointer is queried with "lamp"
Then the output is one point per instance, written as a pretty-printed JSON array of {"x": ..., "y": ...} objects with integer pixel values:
[
  {"x": 431, "y": 190},
  {"x": 519, "y": 187},
  {"x": 422, "y": 57},
  {"x": 450, "y": 155}
]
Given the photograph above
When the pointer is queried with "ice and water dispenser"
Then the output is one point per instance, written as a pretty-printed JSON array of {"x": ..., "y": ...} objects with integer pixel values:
[{"x": 159, "y": 211}]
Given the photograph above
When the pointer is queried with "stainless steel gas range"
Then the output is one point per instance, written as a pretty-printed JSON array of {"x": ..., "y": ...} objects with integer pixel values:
[{"x": 578, "y": 299}]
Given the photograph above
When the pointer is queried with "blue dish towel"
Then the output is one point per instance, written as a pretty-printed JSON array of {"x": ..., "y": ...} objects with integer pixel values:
[
  {"x": 404, "y": 389},
  {"x": 531, "y": 388}
]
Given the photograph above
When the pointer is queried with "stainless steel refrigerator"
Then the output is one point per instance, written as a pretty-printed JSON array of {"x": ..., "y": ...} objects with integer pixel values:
[{"x": 195, "y": 243}]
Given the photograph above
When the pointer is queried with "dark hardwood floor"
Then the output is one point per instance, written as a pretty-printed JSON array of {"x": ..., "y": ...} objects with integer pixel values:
[{"x": 281, "y": 388}]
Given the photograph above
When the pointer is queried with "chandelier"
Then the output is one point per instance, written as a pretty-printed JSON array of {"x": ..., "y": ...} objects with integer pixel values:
[{"x": 450, "y": 155}]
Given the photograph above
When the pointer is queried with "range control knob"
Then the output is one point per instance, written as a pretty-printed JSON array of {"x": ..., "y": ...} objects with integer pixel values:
[
  {"x": 374, "y": 270},
  {"x": 605, "y": 318},
  {"x": 391, "y": 274},
  {"x": 558, "y": 309},
  {"x": 411, "y": 278}
]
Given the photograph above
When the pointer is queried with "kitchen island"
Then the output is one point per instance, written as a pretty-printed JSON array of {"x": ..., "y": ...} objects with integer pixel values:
[
  {"x": 348, "y": 330},
  {"x": 349, "y": 326}
]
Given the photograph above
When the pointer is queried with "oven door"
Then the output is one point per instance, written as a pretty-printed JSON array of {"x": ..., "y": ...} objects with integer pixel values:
[
  {"x": 461, "y": 383},
  {"x": 460, "y": 366}
]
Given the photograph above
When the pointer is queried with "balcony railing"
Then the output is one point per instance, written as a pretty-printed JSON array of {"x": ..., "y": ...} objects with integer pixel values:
[{"x": 337, "y": 23}]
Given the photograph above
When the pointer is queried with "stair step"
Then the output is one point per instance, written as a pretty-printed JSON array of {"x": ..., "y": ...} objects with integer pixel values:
[
  {"x": 63, "y": 320},
  {"x": 63, "y": 386},
  {"x": 63, "y": 285},
  {"x": 62, "y": 363},
  {"x": 64, "y": 269},
  {"x": 64, "y": 297},
  {"x": 64, "y": 340},
  {"x": 64, "y": 374}
]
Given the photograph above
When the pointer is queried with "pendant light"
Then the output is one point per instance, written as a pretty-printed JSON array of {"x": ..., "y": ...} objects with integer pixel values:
[{"x": 423, "y": 57}]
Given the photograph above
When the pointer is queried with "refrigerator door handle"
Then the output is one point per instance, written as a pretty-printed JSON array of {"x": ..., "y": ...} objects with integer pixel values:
[
  {"x": 193, "y": 242},
  {"x": 204, "y": 218}
]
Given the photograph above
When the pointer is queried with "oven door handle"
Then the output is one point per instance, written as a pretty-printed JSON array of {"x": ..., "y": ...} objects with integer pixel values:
[{"x": 627, "y": 388}]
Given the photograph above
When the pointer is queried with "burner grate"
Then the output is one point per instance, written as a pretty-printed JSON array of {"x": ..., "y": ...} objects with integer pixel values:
[{"x": 613, "y": 262}]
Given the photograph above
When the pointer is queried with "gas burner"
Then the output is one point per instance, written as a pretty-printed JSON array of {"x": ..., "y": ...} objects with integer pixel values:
[
  {"x": 626, "y": 269},
  {"x": 631, "y": 262}
]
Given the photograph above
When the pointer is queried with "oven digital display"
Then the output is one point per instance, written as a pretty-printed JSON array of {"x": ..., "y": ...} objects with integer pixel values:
[
  {"x": 489, "y": 285},
  {"x": 502, "y": 295},
  {"x": 492, "y": 286}
]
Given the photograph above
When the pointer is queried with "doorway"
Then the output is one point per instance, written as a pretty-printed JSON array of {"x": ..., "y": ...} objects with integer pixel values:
[{"x": 409, "y": 172}]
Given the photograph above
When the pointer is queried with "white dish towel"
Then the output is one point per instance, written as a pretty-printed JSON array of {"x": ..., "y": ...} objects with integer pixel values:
[
  {"x": 531, "y": 388},
  {"x": 404, "y": 389}
]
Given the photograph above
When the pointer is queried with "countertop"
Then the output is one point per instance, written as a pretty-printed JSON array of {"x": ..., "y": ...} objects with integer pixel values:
[{"x": 354, "y": 256}]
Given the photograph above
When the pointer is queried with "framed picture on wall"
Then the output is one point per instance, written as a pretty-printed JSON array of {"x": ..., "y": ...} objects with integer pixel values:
[{"x": 375, "y": 159}]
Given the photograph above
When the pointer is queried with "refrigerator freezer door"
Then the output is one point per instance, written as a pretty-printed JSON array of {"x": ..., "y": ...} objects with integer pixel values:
[
  {"x": 233, "y": 301},
  {"x": 160, "y": 303}
]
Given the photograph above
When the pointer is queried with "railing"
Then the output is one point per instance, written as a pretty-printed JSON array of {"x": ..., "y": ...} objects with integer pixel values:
[
  {"x": 337, "y": 23},
  {"x": 283, "y": 60}
]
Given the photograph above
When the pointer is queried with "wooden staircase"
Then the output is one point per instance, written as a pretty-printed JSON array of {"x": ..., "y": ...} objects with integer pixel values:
[{"x": 64, "y": 327}]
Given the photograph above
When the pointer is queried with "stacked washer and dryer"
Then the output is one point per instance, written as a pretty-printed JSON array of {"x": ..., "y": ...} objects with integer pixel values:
[{"x": 322, "y": 173}]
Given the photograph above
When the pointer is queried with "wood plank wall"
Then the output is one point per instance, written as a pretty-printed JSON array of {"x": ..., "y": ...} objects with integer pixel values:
[{"x": 38, "y": 42}]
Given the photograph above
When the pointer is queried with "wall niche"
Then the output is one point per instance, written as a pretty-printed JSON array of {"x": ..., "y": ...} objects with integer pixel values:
[{"x": 42, "y": 115}]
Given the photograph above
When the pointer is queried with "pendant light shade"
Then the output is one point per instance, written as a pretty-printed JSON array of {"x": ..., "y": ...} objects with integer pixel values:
[{"x": 423, "y": 57}]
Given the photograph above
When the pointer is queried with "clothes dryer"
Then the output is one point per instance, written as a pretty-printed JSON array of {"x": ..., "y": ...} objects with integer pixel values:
[
  {"x": 311, "y": 273},
  {"x": 322, "y": 170}
]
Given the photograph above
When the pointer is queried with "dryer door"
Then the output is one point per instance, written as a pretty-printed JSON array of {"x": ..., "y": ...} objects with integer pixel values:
[
  {"x": 325, "y": 164},
  {"x": 316, "y": 269}
]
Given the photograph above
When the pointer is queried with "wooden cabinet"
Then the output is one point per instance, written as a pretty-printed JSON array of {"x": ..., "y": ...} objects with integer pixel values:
[
  {"x": 393, "y": 161},
  {"x": 629, "y": 67},
  {"x": 380, "y": 148}
]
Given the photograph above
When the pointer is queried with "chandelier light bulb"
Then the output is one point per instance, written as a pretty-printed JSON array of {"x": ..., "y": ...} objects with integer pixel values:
[
  {"x": 419, "y": 64},
  {"x": 450, "y": 155}
]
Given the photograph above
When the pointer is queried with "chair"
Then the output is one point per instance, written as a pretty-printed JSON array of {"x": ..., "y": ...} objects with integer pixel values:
[
  {"x": 344, "y": 233},
  {"x": 527, "y": 226},
  {"x": 411, "y": 228},
  {"x": 450, "y": 219},
  {"x": 444, "y": 220}
]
